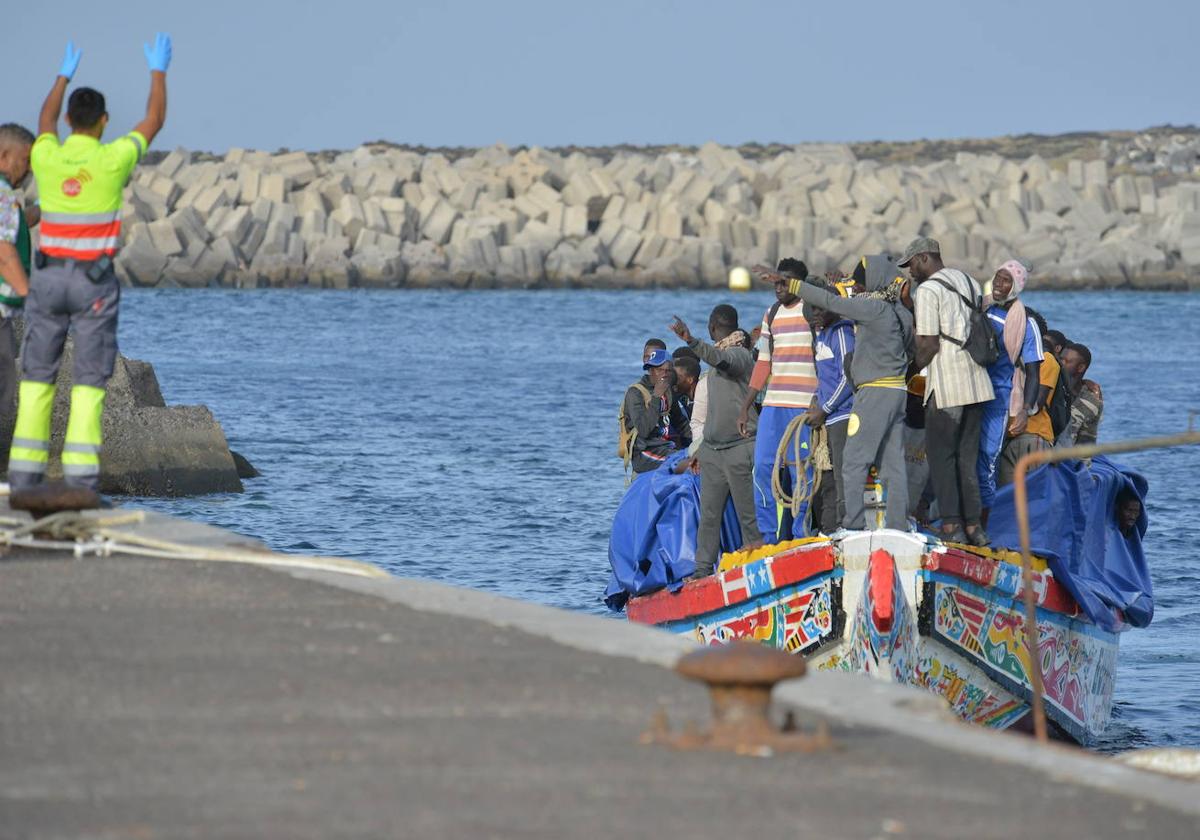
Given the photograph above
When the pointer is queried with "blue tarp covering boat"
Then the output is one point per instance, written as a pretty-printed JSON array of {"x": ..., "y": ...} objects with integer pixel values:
[
  {"x": 653, "y": 542},
  {"x": 1072, "y": 517}
]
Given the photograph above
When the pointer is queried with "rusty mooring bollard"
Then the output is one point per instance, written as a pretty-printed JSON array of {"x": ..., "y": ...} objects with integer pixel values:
[
  {"x": 740, "y": 676},
  {"x": 53, "y": 497}
]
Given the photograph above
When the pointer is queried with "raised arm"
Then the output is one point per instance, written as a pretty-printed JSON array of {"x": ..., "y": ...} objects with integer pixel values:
[
  {"x": 158, "y": 57},
  {"x": 854, "y": 308},
  {"x": 52, "y": 107}
]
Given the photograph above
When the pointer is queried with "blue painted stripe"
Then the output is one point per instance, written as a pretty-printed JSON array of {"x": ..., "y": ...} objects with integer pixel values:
[{"x": 995, "y": 595}]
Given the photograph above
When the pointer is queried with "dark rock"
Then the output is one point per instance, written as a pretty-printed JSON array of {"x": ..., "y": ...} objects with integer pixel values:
[
  {"x": 244, "y": 468},
  {"x": 173, "y": 451}
]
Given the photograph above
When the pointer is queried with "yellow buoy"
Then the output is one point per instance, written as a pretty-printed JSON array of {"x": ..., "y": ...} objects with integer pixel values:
[{"x": 739, "y": 279}]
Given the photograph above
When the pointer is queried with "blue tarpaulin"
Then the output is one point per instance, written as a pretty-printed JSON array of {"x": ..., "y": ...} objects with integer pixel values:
[
  {"x": 1072, "y": 518},
  {"x": 653, "y": 542}
]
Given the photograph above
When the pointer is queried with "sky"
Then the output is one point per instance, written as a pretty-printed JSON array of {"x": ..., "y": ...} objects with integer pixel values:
[{"x": 334, "y": 74}]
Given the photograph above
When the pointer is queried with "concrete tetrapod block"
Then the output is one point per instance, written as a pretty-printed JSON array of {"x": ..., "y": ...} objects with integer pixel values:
[
  {"x": 235, "y": 225},
  {"x": 437, "y": 220},
  {"x": 172, "y": 163},
  {"x": 575, "y": 222},
  {"x": 1125, "y": 194},
  {"x": 210, "y": 200},
  {"x": 169, "y": 451},
  {"x": 189, "y": 227},
  {"x": 349, "y": 214},
  {"x": 274, "y": 240},
  {"x": 1095, "y": 172},
  {"x": 379, "y": 268},
  {"x": 151, "y": 204},
  {"x": 166, "y": 240},
  {"x": 249, "y": 244},
  {"x": 273, "y": 185},
  {"x": 624, "y": 248},
  {"x": 140, "y": 263}
]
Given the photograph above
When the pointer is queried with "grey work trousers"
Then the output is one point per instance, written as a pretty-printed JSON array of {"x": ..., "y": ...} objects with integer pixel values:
[
  {"x": 952, "y": 447},
  {"x": 724, "y": 473},
  {"x": 875, "y": 435},
  {"x": 62, "y": 297}
]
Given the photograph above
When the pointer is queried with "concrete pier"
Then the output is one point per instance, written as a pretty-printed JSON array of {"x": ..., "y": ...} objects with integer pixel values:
[{"x": 149, "y": 698}]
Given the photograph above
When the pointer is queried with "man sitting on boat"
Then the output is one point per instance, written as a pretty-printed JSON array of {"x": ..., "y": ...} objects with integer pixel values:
[
  {"x": 645, "y": 417},
  {"x": 726, "y": 456}
]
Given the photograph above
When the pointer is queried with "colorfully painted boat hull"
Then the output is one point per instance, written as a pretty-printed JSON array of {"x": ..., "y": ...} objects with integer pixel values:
[{"x": 894, "y": 606}]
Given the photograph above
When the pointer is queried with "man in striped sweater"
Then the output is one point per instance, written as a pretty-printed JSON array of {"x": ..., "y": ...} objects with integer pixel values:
[{"x": 785, "y": 368}]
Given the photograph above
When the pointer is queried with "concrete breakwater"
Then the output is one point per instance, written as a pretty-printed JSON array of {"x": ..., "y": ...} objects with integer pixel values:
[{"x": 382, "y": 216}]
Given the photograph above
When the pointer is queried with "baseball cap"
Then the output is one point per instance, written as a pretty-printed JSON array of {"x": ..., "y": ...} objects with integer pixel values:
[
  {"x": 657, "y": 359},
  {"x": 920, "y": 245}
]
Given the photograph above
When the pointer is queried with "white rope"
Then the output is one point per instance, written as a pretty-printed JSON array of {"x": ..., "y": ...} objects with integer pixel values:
[{"x": 85, "y": 536}]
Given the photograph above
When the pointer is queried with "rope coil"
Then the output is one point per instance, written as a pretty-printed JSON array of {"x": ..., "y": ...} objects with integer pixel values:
[{"x": 803, "y": 493}]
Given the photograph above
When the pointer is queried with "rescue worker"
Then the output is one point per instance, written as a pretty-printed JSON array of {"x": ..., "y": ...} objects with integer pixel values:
[{"x": 79, "y": 182}]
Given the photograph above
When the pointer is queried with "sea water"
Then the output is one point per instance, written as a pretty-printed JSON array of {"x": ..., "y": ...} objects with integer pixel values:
[{"x": 469, "y": 437}]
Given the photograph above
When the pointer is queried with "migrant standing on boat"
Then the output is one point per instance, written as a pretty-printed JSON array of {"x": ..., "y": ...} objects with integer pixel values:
[
  {"x": 882, "y": 352},
  {"x": 1014, "y": 376},
  {"x": 1035, "y": 431},
  {"x": 956, "y": 387},
  {"x": 833, "y": 345},
  {"x": 726, "y": 455},
  {"x": 785, "y": 369},
  {"x": 1087, "y": 402}
]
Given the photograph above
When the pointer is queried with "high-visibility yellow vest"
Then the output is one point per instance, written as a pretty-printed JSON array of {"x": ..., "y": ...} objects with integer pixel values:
[{"x": 79, "y": 187}]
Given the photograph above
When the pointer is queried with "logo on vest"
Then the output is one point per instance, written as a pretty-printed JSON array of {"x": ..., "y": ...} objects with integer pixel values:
[{"x": 72, "y": 187}]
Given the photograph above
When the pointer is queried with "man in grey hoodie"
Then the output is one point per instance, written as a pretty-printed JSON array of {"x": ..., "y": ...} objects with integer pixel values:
[
  {"x": 883, "y": 349},
  {"x": 726, "y": 456}
]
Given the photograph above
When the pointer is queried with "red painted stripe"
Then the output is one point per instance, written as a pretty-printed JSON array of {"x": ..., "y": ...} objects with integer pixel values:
[
  {"x": 702, "y": 596},
  {"x": 881, "y": 578},
  {"x": 982, "y": 570}
]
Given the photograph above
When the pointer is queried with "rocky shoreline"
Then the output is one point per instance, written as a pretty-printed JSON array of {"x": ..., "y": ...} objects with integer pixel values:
[{"x": 1109, "y": 210}]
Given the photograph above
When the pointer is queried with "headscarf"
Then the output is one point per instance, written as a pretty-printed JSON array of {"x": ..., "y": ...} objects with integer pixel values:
[
  {"x": 737, "y": 338},
  {"x": 1019, "y": 274},
  {"x": 882, "y": 277}
]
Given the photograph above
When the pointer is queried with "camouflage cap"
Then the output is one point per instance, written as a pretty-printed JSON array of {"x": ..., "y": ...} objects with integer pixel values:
[{"x": 920, "y": 245}]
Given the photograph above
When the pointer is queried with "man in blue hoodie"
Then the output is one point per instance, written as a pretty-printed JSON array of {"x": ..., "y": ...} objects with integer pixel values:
[{"x": 831, "y": 407}]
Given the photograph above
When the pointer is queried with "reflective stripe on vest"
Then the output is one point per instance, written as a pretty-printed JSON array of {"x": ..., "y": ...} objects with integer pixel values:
[{"x": 80, "y": 236}]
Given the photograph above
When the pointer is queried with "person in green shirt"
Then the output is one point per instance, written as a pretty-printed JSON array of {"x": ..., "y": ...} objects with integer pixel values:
[{"x": 15, "y": 251}]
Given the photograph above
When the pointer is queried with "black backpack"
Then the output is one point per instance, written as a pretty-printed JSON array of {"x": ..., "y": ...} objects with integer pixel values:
[
  {"x": 1059, "y": 407},
  {"x": 981, "y": 345}
]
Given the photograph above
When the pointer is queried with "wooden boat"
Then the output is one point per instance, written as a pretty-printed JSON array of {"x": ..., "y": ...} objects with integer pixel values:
[{"x": 910, "y": 609}]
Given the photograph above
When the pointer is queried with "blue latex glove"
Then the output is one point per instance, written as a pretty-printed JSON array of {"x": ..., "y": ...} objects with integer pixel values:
[
  {"x": 159, "y": 55},
  {"x": 70, "y": 62}
]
